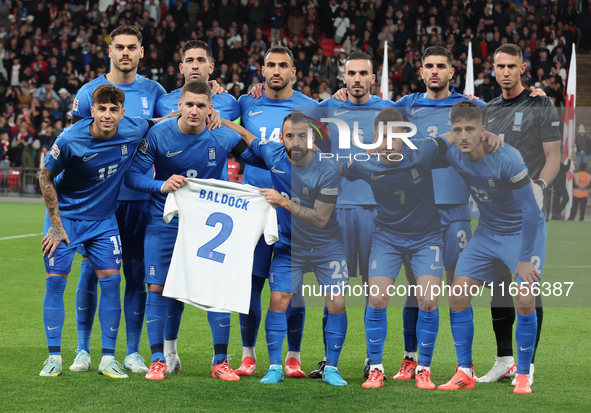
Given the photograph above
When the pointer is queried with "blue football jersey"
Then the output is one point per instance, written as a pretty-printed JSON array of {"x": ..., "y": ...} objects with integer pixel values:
[
  {"x": 90, "y": 170},
  {"x": 404, "y": 193},
  {"x": 489, "y": 181},
  {"x": 319, "y": 180},
  {"x": 224, "y": 103},
  {"x": 172, "y": 152},
  {"x": 140, "y": 100},
  {"x": 263, "y": 118},
  {"x": 432, "y": 118},
  {"x": 355, "y": 193}
]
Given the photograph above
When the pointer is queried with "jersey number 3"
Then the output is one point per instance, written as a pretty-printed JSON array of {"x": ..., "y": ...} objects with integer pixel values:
[{"x": 207, "y": 250}]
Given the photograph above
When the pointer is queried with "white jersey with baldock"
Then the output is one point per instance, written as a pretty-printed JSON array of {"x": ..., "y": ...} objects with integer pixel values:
[{"x": 220, "y": 224}]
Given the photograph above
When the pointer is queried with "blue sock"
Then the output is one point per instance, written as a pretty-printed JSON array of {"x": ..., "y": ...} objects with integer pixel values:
[
  {"x": 427, "y": 328},
  {"x": 220, "y": 332},
  {"x": 173, "y": 321},
  {"x": 336, "y": 330},
  {"x": 134, "y": 304},
  {"x": 525, "y": 339},
  {"x": 54, "y": 312},
  {"x": 296, "y": 316},
  {"x": 462, "y": 330},
  {"x": 324, "y": 320},
  {"x": 376, "y": 330},
  {"x": 276, "y": 328},
  {"x": 86, "y": 299},
  {"x": 410, "y": 316},
  {"x": 109, "y": 310},
  {"x": 249, "y": 323},
  {"x": 156, "y": 314}
]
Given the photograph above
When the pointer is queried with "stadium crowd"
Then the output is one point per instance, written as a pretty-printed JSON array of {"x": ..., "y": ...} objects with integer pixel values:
[{"x": 50, "y": 49}]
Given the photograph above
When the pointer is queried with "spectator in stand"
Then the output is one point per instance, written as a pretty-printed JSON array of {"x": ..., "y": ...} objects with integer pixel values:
[
  {"x": 583, "y": 145},
  {"x": 561, "y": 196},
  {"x": 341, "y": 25},
  {"x": 581, "y": 182}
]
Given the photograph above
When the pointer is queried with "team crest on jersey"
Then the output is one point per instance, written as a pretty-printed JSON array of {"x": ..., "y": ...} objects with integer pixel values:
[
  {"x": 517, "y": 121},
  {"x": 51, "y": 262},
  {"x": 124, "y": 149},
  {"x": 143, "y": 146},
  {"x": 415, "y": 176},
  {"x": 491, "y": 182},
  {"x": 75, "y": 105},
  {"x": 152, "y": 270},
  {"x": 55, "y": 151},
  {"x": 211, "y": 157},
  {"x": 145, "y": 103},
  {"x": 305, "y": 190}
]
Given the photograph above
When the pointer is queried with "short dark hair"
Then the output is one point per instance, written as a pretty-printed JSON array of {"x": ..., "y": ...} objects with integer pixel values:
[
  {"x": 510, "y": 49},
  {"x": 466, "y": 109},
  {"x": 388, "y": 115},
  {"x": 129, "y": 30},
  {"x": 197, "y": 44},
  {"x": 280, "y": 50},
  {"x": 295, "y": 117},
  {"x": 437, "y": 51},
  {"x": 108, "y": 93},
  {"x": 360, "y": 56},
  {"x": 197, "y": 86},
  {"x": 583, "y": 166}
]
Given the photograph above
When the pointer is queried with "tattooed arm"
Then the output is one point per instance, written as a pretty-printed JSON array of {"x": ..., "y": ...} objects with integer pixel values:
[
  {"x": 317, "y": 217},
  {"x": 56, "y": 232}
]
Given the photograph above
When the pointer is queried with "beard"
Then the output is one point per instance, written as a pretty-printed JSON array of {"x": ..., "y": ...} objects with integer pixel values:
[
  {"x": 277, "y": 87},
  {"x": 296, "y": 157}
]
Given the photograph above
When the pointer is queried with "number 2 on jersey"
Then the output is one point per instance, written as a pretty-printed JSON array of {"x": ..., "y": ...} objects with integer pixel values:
[{"x": 207, "y": 250}]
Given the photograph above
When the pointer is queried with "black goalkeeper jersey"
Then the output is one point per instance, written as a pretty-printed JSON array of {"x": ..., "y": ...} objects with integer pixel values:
[{"x": 524, "y": 123}]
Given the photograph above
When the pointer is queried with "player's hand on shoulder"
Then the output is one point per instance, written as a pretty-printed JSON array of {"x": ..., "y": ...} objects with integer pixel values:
[
  {"x": 257, "y": 91},
  {"x": 174, "y": 183},
  {"x": 492, "y": 142},
  {"x": 273, "y": 197},
  {"x": 216, "y": 89},
  {"x": 214, "y": 121},
  {"x": 472, "y": 96},
  {"x": 536, "y": 92},
  {"x": 527, "y": 272},
  {"x": 52, "y": 239},
  {"x": 341, "y": 94}
]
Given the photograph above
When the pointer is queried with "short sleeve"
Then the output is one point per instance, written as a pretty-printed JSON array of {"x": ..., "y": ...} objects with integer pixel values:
[
  {"x": 82, "y": 104},
  {"x": 59, "y": 156},
  {"x": 513, "y": 169},
  {"x": 269, "y": 151},
  {"x": 550, "y": 127},
  {"x": 329, "y": 185},
  {"x": 170, "y": 207},
  {"x": 271, "y": 231},
  {"x": 353, "y": 170},
  {"x": 427, "y": 150}
]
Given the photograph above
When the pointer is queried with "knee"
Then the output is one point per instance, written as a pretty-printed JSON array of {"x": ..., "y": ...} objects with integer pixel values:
[
  {"x": 427, "y": 303},
  {"x": 279, "y": 301},
  {"x": 155, "y": 288}
]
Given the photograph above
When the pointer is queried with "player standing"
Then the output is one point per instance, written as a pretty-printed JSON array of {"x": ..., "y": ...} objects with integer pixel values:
[
  {"x": 532, "y": 127},
  {"x": 306, "y": 188},
  {"x": 89, "y": 160},
  {"x": 180, "y": 148},
  {"x": 263, "y": 117},
  {"x": 511, "y": 231},
  {"x": 197, "y": 63},
  {"x": 132, "y": 209},
  {"x": 356, "y": 206}
]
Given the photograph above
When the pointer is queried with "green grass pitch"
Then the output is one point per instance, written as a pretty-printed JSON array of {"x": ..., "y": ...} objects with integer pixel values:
[{"x": 562, "y": 376}]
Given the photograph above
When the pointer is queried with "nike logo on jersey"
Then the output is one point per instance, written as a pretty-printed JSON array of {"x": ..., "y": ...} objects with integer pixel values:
[
  {"x": 170, "y": 155},
  {"x": 118, "y": 260},
  {"x": 490, "y": 120},
  {"x": 525, "y": 349},
  {"x": 52, "y": 328},
  {"x": 82, "y": 309},
  {"x": 336, "y": 113},
  {"x": 88, "y": 158},
  {"x": 376, "y": 177},
  {"x": 413, "y": 111},
  {"x": 434, "y": 267},
  {"x": 277, "y": 171},
  {"x": 375, "y": 341},
  {"x": 251, "y": 113}
]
